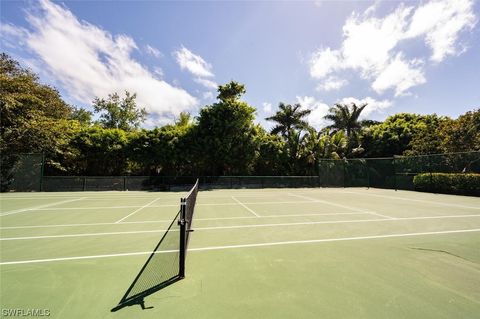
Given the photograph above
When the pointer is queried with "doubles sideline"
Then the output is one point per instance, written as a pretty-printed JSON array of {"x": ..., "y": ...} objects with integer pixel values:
[
  {"x": 169, "y": 220},
  {"x": 235, "y": 227},
  {"x": 293, "y": 242}
]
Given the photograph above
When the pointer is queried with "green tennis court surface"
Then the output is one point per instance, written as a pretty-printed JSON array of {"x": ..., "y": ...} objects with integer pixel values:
[{"x": 270, "y": 253}]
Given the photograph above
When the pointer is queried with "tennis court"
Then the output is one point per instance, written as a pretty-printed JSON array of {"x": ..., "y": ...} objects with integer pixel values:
[{"x": 266, "y": 253}]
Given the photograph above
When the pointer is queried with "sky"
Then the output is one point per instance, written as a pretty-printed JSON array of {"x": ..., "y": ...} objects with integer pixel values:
[{"x": 411, "y": 56}]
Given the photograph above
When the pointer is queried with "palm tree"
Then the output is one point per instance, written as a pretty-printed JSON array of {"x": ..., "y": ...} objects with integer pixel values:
[
  {"x": 289, "y": 119},
  {"x": 345, "y": 118}
]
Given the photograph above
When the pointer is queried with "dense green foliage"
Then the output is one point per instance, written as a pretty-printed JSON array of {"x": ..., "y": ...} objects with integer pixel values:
[
  {"x": 450, "y": 183},
  {"x": 222, "y": 140},
  {"x": 119, "y": 113}
]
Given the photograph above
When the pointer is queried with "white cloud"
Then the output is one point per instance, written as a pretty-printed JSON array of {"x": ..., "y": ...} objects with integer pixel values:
[
  {"x": 372, "y": 45},
  {"x": 318, "y": 108},
  {"x": 372, "y": 104},
  {"x": 88, "y": 61},
  {"x": 153, "y": 51},
  {"x": 158, "y": 71},
  {"x": 267, "y": 107},
  {"x": 331, "y": 83},
  {"x": 207, "y": 95},
  {"x": 209, "y": 84},
  {"x": 441, "y": 23},
  {"x": 193, "y": 63},
  {"x": 400, "y": 75},
  {"x": 324, "y": 62}
]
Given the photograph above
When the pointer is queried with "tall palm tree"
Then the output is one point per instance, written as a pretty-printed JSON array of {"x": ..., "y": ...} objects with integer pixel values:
[
  {"x": 345, "y": 118},
  {"x": 289, "y": 118}
]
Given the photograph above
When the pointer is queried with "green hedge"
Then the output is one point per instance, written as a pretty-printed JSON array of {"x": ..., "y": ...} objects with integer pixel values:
[{"x": 449, "y": 183}]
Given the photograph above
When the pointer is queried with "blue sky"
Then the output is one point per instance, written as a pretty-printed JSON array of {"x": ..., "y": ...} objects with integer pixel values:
[{"x": 415, "y": 56}]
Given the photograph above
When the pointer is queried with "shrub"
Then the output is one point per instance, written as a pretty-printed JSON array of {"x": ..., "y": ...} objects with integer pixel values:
[{"x": 449, "y": 183}]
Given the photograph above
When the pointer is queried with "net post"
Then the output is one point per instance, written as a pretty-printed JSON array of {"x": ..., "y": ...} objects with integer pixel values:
[{"x": 183, "y": 232}]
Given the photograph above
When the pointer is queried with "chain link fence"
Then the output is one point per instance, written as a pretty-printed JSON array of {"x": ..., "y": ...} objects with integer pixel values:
[{"x": 24, "y": 172}]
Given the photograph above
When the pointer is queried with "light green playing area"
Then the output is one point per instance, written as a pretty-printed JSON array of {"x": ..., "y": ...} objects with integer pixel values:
[{"x": 267, "y": 253}]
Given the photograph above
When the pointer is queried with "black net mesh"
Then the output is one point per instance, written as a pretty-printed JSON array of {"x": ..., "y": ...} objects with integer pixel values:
[
  {"x": 21, "y": 172},
  {"x": 189, "y": 203},
  {"x": 160, "y": 270}
]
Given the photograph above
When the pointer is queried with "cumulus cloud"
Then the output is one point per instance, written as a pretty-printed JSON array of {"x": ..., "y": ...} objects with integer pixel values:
[
  {"x": 153, "y": 51},
  {"x": 441, "y": 22},
  {"x": 88, "y": 61},
  {"x": 209, "y": 84},
  {"x": 400, "y": 75},
  {"x": 267, "y": 107},
  {"x": 318, "y": 108},
  {"x": 193, "y": 63},
  {"x": 331, "y": 83},
  {"x": 372, "y": 46},
  {"x": 373, "y": 105},
  {"x": 196, "y": 65}
]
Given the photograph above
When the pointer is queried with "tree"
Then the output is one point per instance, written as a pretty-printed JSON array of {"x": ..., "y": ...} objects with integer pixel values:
[
  {"x": 319, "y": 145},
  {"x": 81, "y": 115},
  {"x": 272, "y": 158},
  {"x": 100, "y": 151},
  {"x": 289, "y": 118},
  {"x": 462, "y": 134},
  {"x": 395, "y": 135},
  {"x": 225, "y": 134},
  {"x": 34, "y": 118},
  {"x": 345, "y": 118},
  {"x": 120, "y": 113}
]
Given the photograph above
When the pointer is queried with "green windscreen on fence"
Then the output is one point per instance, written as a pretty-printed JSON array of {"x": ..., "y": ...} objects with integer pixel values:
[
  {"x": 21, "y": 172},
  {"x": 394, "y": 172}
]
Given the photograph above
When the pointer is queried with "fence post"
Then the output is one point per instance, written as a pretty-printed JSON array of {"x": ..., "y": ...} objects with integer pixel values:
[
  {"x": 84, "y": 183},
  {"x": 42, "y": 169},
  {"x": 368, "y": 172},
  {"x": 430, "y": 171},
  {"x": 394, "y": 173}
]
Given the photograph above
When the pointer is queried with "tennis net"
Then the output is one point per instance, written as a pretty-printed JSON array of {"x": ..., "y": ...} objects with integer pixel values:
[
  {"x": 186, "y": 218},
  {"x": 166, "y": 264}
]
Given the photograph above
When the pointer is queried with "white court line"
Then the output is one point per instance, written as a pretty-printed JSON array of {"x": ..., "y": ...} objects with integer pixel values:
[
  {"x": 244, "y": 206},
  {"x": 355, "y": 209},
  {"x": 293, "y": 242},
  {"x": 172, "y": 205},
  {"x": 237, "y": 227},
  {"x": 381, "y": 215},
  {"x": 340, "y": 205},
  {"x": 39, "y": 207},
  {"x": 415, "y": 200},
  {"x": 168, "y": 221},
  {"x": 137, "y": 210}
]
